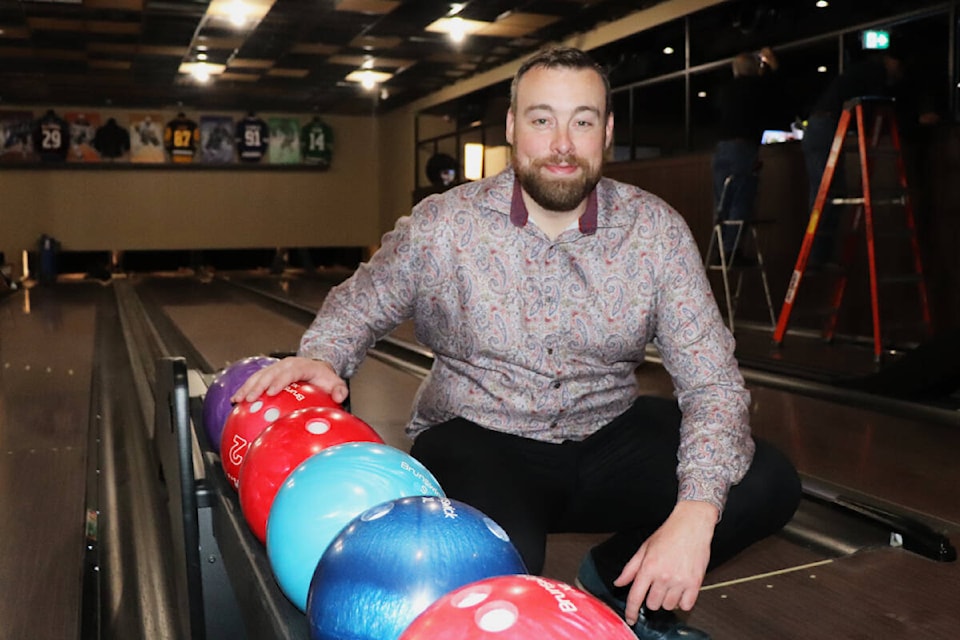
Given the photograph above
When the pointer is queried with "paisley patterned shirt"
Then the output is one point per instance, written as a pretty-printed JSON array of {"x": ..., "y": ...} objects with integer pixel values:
[{"x": 541, "y": 337}]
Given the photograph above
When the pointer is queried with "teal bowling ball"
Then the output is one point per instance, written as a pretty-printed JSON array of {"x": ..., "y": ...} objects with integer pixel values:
[
  {"x": 398, "y": 557},
  {"x": 323, "y": 494}
]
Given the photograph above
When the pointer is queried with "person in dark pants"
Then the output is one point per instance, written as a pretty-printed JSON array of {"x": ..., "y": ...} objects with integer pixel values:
[
  {"x": 538, "y": 290},
  {"x": 749, "y": 104}
]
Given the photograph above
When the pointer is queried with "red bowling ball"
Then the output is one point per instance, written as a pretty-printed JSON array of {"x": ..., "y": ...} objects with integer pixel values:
[
  {"x": 249, "y": 419},
  {"x": 517, "y": 607},
  {"x": 283, "y": 446}
]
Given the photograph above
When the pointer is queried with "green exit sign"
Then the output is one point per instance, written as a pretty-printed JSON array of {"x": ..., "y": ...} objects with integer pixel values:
[{"x": 876, "y": 39}]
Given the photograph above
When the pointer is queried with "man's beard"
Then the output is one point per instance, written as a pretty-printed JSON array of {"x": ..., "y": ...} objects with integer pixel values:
[{"x": 557, "y": 194}]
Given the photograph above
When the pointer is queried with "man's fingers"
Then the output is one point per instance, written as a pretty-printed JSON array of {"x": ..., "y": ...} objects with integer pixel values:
[
  {"x": 638, "y": 594},
  {"x": 339, "y": 393},
  {"x": 689, "y": 599}
]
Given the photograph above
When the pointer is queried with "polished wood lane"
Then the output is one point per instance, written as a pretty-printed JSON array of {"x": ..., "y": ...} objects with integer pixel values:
[{"x": 46, "y": 351}]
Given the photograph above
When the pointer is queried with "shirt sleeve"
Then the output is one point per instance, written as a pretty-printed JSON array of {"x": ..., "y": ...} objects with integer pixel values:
[
  {"x": 716, "y": 448},
  {"x": 370, "y": 304}
]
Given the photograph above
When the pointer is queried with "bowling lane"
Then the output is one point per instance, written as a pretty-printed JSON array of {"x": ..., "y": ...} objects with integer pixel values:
[
  {"x": 46, "y": 356},
  {"x": 225, "y": 326}
]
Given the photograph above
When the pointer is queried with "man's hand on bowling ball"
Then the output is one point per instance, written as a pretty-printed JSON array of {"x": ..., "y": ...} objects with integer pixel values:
[{"x": 271, "y": 380}]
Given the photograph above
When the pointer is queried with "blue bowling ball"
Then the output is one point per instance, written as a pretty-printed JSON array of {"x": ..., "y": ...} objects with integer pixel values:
[
  {"x": 397, "y": 558},
  {"x": 323, "y": 494}
]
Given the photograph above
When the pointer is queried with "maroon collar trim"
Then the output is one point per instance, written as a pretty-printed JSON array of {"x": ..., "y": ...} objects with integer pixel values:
[{"x": 519, "y": 214}]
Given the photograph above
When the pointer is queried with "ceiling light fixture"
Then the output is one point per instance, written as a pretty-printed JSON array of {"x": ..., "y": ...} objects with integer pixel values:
[
  {"x": 821, "y": 69},
  {"x": 668, "y": 50},
  {"x": 455, "y": 8},
  {"x": 200, "y": 73},
  {"x": 822, "y": 4},
  {"x": 457, "y": 30},
  {"x": 367, "y": 63},
  {"x": 368, "y": 78},
  {"x": 201, "y": 56},
  {"x": 238, "y": 13}
]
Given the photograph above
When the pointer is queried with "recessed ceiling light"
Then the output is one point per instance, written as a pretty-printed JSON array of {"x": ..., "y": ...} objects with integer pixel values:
[
  {"x": 702, "y": 94},
  {"x": 200, "y": 73},
  {"x": 668, "y": 50},
  {"x": 457, "y": 30},
  {"x": 822, "y": 4},
  {"x": 368, "y": 78},
  {"x": 238, "y": 13},
  {"x": 822, "y": 69}
]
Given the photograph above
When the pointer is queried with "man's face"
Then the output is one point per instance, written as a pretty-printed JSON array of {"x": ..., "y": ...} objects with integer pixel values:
[{"x": 559, "y": 133}]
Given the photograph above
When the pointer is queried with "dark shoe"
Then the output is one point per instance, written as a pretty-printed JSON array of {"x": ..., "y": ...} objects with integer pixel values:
[{"x": 651, "y": 625}]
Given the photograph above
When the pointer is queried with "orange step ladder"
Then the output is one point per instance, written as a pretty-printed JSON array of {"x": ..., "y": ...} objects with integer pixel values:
[{"x": 882, "y": 110}]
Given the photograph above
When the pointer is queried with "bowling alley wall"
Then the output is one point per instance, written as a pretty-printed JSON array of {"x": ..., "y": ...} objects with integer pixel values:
[{"x": 166, "y": 206}]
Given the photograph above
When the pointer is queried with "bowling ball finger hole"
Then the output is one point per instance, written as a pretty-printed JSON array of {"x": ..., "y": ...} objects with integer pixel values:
[
  {"x": 496, "y": 529},
  {"x": 318, "y": 427},
  {"x": 376, "y": 512},
  {"x": 497, "y": 616},
  {"x": 470, "y": 598}
]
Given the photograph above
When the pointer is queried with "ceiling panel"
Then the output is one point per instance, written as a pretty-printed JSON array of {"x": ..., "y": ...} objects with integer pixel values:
[{"x": 295, "y": 56}]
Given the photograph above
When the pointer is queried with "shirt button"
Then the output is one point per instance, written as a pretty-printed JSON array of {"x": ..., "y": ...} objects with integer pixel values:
[
  {"x": 556, "y": 385},
  {"x": 549, "y": 351}
]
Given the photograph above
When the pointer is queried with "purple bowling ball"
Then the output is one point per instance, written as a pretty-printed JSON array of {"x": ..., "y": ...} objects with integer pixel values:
[{"x": 216, "y": 403}]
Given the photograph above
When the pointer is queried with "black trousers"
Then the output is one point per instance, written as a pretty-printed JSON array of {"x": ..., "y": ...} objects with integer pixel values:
[{"x": 621, "y": 479}]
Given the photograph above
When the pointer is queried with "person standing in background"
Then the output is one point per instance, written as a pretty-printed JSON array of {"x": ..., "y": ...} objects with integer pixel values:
[{"x": 749, "y": 103}]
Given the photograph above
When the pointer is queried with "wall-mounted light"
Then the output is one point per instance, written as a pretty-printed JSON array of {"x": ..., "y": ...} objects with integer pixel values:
[{"x": 473, "y": 161}]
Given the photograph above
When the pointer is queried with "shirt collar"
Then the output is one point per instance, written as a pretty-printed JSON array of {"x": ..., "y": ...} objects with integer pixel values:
[{"x": 519, "y": 214}]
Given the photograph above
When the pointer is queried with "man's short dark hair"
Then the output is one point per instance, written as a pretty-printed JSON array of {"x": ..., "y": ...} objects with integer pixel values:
[{"x": 561, "y": 58}]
